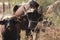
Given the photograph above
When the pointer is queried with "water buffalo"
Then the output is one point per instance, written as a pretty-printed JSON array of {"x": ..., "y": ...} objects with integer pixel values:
[
  {"x": 31, "y": 18},
  {"x": 22, "y": 21}
]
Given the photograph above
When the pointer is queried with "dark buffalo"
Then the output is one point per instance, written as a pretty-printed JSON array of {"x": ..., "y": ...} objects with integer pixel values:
[
  {"x": 30, "y": 20},
  {"x": 11, "y": 29}
]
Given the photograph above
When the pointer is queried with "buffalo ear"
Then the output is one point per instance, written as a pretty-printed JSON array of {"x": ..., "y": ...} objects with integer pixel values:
[
  {"x": 2, "y": 22},
  {"x": 15, "y": 8}
]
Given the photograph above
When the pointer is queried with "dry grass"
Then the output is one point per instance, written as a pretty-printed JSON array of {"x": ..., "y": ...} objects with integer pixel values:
[{"x": 51, "y": 33}]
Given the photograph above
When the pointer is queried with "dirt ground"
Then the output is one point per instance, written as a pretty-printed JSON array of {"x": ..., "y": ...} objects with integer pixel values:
[{"x": 51, "y": 33}]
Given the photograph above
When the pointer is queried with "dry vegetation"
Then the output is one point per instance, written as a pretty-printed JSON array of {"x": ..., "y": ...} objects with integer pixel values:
[{"x": 52, "y": 32}]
